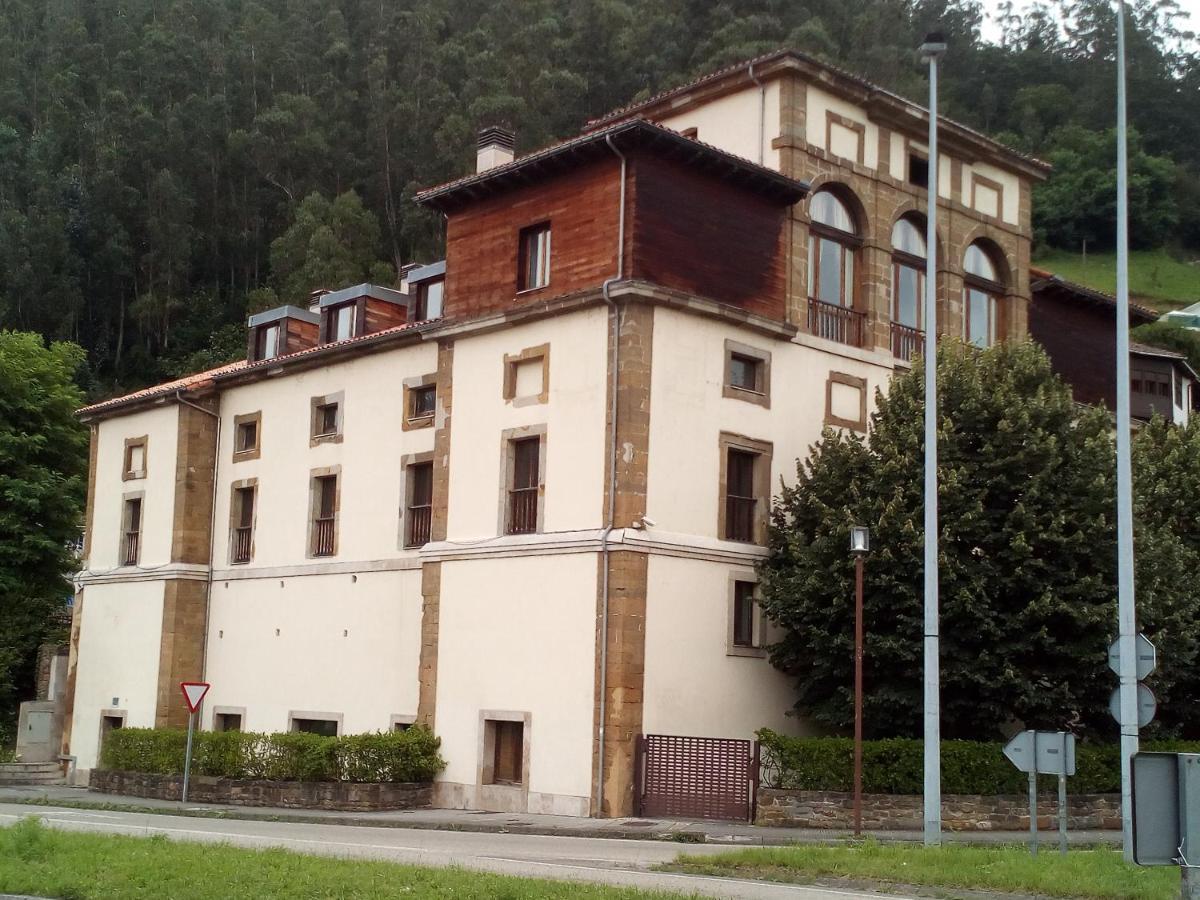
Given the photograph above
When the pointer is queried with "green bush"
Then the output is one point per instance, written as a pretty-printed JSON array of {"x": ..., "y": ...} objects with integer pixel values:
[
  {"x": 402, "y": 756},
  {"x": 896, "y": 765}
]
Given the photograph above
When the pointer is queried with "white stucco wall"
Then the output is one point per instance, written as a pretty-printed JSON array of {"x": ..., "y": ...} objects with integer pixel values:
[
  {"x": 519, "y": 634},
  {"x": 161, "y": 426},
  {"x": 119, "y": 647},
  {"x": 821, "y": 102},
  {"x": 1010, "y": 182},
  {"x": 346, "y": 644},
  {"x": 693, "y": 686},
  {"x": 574, "y": 416},
  {"x": 732, "y": 123}
]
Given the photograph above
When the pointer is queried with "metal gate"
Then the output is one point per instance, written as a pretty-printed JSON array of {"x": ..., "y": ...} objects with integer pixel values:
[{"x": 696, "y": 777}]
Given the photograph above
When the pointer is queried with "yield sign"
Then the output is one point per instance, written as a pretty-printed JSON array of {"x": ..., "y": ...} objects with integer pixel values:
[{"x": 193, "y": 693}]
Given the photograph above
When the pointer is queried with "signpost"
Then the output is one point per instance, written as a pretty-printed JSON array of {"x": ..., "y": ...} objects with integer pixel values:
[
  {"x": 1147, "y": 705},
  {"x": 193, "y": 696},
  {"x": 1146, "y": 656},
  {"x": 1045, "y": 753},
  {"x": 1166, "y": 815}
]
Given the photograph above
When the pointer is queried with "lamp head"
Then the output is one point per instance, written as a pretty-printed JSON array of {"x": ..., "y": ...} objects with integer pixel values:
[
  {"x": 860, "y": 540},
  {"x": 934, "y": 47}
]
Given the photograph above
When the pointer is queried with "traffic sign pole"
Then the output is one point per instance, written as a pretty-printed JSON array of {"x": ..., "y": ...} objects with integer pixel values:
[
  {"x": 187, "y": 759},
  {"x": 193, "y": 696},
  {"x": 1033, "y": 823},
  {"x": 1062, "y": 800}
]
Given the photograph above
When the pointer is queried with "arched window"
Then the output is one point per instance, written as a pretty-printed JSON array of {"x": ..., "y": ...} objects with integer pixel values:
[
  {"x": 908, "y": 287},
  {"x": 982, "y": 289},
  {"x": 832, "y": 246}
]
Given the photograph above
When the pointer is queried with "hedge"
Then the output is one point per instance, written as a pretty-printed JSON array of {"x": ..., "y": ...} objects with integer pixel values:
[
  {"x": 391, "y": 757},
  {"x": 896, "y": 765}
]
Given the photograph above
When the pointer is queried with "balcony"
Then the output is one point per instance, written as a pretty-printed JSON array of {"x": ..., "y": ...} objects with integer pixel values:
[
  {"x": 133, "y": 540},
  {"x": 522, "y": 510},
  {"x": 420, "y": 521},
  {"x": 323, "y": 536},
  {"x": 836, "y": 323},
  {"x": 241, "y": 544},
  {"x": 906, "y": 342}
]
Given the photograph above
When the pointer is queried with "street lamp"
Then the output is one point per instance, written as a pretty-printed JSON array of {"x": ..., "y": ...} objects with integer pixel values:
[
  {"x": 931, "y": 51},
  {"x": 860, "y": 546}
]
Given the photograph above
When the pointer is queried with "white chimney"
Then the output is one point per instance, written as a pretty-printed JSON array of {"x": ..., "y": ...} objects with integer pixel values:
[{"x": 495, "y": 148}]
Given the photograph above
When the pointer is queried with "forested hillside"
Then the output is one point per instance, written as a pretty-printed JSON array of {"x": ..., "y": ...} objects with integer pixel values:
[{"x": 158, "y": 158}]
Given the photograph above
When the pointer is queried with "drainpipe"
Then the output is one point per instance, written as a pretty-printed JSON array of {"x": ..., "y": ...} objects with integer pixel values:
[
  {"x": 610, "y": 500},
  {"x": 212, "y": 529},
  {"x": 762, "y": 111}
]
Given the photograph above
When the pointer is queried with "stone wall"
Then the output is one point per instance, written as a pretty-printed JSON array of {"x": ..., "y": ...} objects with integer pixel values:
[
  {"x": 333, "y": 795},
  {"x": 898, "y": 812}
]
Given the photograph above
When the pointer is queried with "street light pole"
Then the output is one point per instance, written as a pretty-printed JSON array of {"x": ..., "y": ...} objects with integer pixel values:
[
  {"x": 860, "y": 545},
  {"x": 931, "y": 51},
  {"x": 1126, "y": 608}
]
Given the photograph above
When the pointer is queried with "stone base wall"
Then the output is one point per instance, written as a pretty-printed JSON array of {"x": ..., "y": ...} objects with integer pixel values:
[
  {"x": 333, "y": 795},
  {"x": 888, "y": 812}
]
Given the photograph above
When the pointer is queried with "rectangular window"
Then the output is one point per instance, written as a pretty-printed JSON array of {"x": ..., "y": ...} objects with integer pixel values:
[
  {"x": 266, "y": 342},
  {"x": 324, "y": 526},
  {"x": 243, "y": 527},
  {"x": 325, "y": 423},
  {"x": 918, "y": 170},
  {"x": 135, "y": 459},
  {"x": 340, "y": 322},
  {"x": 227, "y": 722},
  {"x": 429, "y": 299},
  {"x": 741, "y": 505},
  {"x": 744, "y": 372},
  {"x": 247, "y": 437},
  {"x": 1178, "y": 391},
  {"x": 323, "y": 727},
  {"x": 523, "y": 489},
  {"x": 744, "y": 613},
  {"x": 534, "y": 257},
  {"x": 423, "y": 401},
  {"x": 747, "y": 373},
  {"x": 419, "y": 515},
  {"x": 508, "y": 758},
  {"x": 981, "y": 318},
  {"x": 131, "y": 539}
]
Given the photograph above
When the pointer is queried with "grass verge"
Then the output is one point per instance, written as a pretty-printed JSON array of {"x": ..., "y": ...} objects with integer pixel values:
[
  {"x": 1096, "y": 873},
  {"x": 45, "y": 862},
  {"x": 1156, "y": 278}
]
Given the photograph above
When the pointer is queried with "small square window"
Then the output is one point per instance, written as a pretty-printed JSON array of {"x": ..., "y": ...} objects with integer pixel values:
[
  {"x": 743, "y": 372},
  {"x": 534, "y": 260},
  {"x": 247, "y": 436},
  {"x": 402, "y": 726},
  {"x": 227, "y": 722},
  {"x": 918, "y": 170},
  {"x": 423, "y": 401},
  {"x": 134, "y": 463},
  {"x": 327, "y": 418},
  {"x": 747, "y": 373},
  {"x": 323, "y": 727}
]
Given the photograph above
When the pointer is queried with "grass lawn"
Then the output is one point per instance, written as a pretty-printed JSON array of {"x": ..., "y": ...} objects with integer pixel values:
[
  {"x": 46, "y": 862},
  {"x": 1100, "y": 873},
  {"x": 1156, "y": 279}
]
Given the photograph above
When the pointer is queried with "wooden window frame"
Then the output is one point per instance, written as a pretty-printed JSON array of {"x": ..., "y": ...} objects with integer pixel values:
[
  {"x": 254, "y": 452},
  {"x": 408, "y": 421},
  {"x": 260, "y": 334},
  {"x": 297, "y": 714},
  {"x": 358, "y": 317},
  {"x": 523, "y": 240},
  {"x": 526, "y": 357},
  {"x": 761, "y": 395},
  {"x": 132, "y": 443},
  {"x": 235, "y": 518},
  {"x": 756, "y": 648},
  {"x": 316, "y": 404},
  {"x": 508, "y": 440},
  {"x": 421, "y": 312},
  {"x": 487, "y": 751},
  {"x": 123, "y": 546},
  {"x": 854, "y": 381},
  {"x": 763, "y": 452},
  {"x": 314, "y": 509},
  {"x": 406, "y": 492}
]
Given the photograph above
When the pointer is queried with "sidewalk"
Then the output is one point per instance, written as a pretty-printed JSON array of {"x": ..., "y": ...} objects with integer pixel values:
[{"x": 697, "y": 831}]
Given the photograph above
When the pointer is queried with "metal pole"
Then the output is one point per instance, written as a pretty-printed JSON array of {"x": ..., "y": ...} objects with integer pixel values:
[
  {"x": 1126, "y": 609},
  {"x": 1062, "y": 795},
  {"x": 1033, "y": 823},
  {"x": 858, "y": 692},
  {"x": 1189, "y": 883},
  {"x": 933, "y": 736},
  {"x": 187, "y": 758}
]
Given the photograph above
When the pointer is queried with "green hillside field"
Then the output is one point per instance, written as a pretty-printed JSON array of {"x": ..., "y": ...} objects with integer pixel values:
[{"x": 1157, "y": 278}]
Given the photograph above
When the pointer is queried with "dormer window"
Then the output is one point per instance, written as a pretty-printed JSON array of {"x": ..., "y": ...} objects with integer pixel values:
[
  {"x": 339, "y": 322},
  {"x": 534, "y": 271},
  {"x": 266, "y": 342},
  {"x": 280, "y": 331},
  {"x": 429, "y": 299}
]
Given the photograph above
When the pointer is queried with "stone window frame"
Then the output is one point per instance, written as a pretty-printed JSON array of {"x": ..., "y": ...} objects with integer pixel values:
[
  {"x": 128, "y": 474},
  {"x": 407, "y": 460},
  {"x": 234, "y": 517},
  {"x": 859, "y": 424},
  {"x": 108, "y": 713},
  {"x": 508, "y": 437},
  {"x": 294, "y": 714},
  {"x": 832, "y": 118},
  {"x": 227, "y": 711},
  {"x": 314, "y": 500},
  {"x": 758, "y": 650},
  {"x": 125, "y": 498},
  {"x": 315, "y": 404},
  {"x": 528, "y": 355},
  {"x": 764, "y": 453},
  {"x": 983, "y": 181},
  {"x": 409, "y": 422},
  {"x": 397, "y": 719},
  {"x": 244, "y": 419},
  {"x": 762, "y": 396},
  {"x": 514, "y": 797}
]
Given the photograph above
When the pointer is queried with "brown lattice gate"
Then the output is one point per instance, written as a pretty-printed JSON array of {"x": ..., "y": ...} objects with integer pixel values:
[{"x": 696, "y": 777}]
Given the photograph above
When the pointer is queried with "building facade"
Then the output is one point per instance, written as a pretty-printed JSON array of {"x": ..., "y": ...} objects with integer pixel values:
[{"x": 521, "y": 498}]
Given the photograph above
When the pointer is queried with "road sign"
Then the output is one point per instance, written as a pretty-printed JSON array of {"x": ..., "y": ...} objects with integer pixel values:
[
  {"x": 193, "y": 693},
  {"x": 1166, "y": 809},
  {"x": 1147, "y": 705},
  {"x": 1146, "y": 655},
  {"x": 1042, "y": 752}
]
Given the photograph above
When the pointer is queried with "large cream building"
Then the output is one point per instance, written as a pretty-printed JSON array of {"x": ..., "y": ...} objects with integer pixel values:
[{"x": 521, "y": 498}]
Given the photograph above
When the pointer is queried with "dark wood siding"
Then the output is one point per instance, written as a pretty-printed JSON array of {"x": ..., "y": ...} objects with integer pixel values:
[
  {"x": 1081, "y": 340},
  {"x": 300, "y": 335},
  {"x": 381, "y": 314}
]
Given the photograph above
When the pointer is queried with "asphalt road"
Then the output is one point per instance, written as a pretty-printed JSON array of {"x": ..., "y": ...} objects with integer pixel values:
[{"x": 601, "y": 860}]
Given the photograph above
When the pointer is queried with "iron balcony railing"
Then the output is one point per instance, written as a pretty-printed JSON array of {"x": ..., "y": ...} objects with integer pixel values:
[
  {"x": 836, "y": 323},
  {"x": 522, "y": 510},
  {"x": 420, "y": 520},
  {"x": 907, "y": 342},
  {"x": 133, "y": 540},
  {"x": 739, "y": 518},
  {"x": 241, "y": 543},
  {"x": 323, "y": 533}
]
